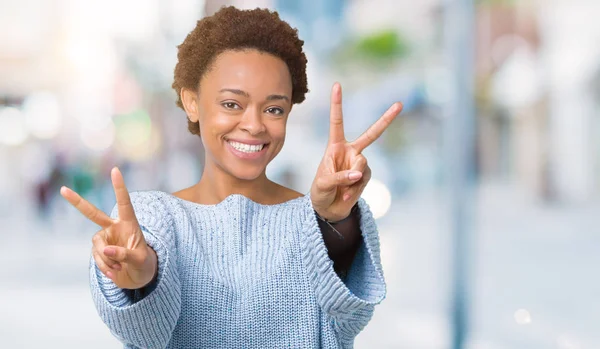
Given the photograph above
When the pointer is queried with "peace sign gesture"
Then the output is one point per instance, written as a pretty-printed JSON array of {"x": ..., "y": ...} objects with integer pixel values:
[
  {"x": 119, "y": 248},
  {"x": 343, "y": 172}
]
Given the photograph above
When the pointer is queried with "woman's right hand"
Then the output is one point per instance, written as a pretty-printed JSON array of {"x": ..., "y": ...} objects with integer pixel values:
[{"x": 119, "y": 248}]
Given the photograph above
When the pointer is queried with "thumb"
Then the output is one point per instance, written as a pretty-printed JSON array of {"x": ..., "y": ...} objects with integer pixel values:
[
  {"x": 134, "y": 257},
  {"x": 330, "y": 182}
]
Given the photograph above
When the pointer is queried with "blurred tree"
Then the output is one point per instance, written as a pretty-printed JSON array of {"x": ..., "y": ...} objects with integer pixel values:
[{"x": 378, "y": 50}]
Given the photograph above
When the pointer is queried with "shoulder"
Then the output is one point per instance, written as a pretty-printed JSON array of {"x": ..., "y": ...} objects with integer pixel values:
[
  {"x": 285, "y": 194},
  {"x": 153, "y": 207},
  {"x": 151, "y": 198},
  {"x": 183, "y": 194},
  {"x": 295, "y": 204}
]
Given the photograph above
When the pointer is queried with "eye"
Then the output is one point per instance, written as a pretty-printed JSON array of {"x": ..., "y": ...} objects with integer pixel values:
[
  {"x": 275, "y": 110},
  {"x": 230, "y": 105}
]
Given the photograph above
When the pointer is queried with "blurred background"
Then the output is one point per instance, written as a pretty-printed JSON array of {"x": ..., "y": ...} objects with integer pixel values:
[{"x": 487, "y": 193}]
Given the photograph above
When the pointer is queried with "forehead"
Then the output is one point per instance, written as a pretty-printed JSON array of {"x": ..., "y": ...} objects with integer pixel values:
[{"x": 249, "y": 70}]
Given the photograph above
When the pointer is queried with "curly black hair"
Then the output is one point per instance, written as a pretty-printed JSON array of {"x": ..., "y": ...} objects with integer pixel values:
[{"x": 234, "y": 29}]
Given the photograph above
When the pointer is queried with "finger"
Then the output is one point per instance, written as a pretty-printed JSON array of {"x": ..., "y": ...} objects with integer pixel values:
[
  {"x": 328, "y": 183},
  {"x": 124, "y": 255},
  {"x": 115, "y": 266},
  {"x": 99, "y": 243},
  {"x": 359, "y": 164},
  {"x": 102, "y": 266},
  {"x": 336, "y": 120},
  {"x": 126, "y": 212},
  {"x": 86, "y": 208},
  {"x": 355, "y": 191},
  {"x": 366, "y": 175},
  {"x": 377, "y": 129}
]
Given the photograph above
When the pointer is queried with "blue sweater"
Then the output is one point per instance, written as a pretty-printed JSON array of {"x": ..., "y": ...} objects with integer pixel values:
[{"x": 240, "y": 274}]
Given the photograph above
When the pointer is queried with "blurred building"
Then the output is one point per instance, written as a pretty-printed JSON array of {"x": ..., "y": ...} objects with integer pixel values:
[{"x": 537, "y": 110}]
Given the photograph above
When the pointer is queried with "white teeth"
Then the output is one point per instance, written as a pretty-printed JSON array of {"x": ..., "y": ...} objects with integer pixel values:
[{"x": 246, "y": 148}]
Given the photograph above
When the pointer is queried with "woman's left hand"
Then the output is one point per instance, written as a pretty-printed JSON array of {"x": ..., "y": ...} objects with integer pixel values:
[{"x": 343, "y": 172}]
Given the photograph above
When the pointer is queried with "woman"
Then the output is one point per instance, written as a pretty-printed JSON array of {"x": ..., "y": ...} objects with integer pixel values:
[{"x": 236, "y": 260}]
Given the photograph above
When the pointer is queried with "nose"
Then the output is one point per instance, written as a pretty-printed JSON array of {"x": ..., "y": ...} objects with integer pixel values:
[{"x": 252, "y": 122}]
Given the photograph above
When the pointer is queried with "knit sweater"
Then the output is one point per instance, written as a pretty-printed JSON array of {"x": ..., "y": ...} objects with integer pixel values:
[{"x": 240, "y": 274}]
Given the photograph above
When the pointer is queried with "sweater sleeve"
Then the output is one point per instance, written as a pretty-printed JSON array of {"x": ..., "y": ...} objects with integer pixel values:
[
  {"x": 349, "y": 303},
  {"x": 143, "y": 318}
]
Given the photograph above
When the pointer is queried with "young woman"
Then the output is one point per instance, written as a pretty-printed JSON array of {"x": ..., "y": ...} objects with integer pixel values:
[{"x": 236, "y": 260}]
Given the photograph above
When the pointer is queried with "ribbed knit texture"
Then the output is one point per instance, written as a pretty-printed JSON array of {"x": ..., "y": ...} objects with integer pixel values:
[{"x": 240, "y": 274}]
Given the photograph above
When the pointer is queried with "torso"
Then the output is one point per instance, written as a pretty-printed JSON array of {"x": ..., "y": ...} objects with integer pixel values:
[{"x": 240, "y": 272}]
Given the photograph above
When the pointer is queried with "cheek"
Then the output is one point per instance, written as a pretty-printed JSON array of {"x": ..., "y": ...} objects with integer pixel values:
[
  {"x": 278, "y": 131},
  {"x": 218, "y": 125}
]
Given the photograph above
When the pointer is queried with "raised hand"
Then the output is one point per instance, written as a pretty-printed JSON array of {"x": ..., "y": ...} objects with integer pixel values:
[
  {"x": 343, "y": 172},
  {"x": 119, "y": 248}
]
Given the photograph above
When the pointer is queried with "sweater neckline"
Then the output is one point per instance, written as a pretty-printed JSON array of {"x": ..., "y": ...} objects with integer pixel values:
[{"x": 237, "y": 197}]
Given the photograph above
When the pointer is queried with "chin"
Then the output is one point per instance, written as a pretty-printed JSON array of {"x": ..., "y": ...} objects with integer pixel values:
[{"x": 246, "y": 174}]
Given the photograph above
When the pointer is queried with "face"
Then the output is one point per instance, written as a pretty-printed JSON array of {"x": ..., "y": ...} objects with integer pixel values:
[{"x": 242, "y": 106}]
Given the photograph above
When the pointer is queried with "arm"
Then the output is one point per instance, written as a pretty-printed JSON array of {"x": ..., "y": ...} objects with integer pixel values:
[
  {"x": 349, "y": 303},
  {"x": 342, "y": 239},
  {"x": 143, "y": 317},
  {"x": 341, "y": 177}
]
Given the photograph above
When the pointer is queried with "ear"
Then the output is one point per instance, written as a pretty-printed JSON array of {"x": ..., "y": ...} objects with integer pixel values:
[{"x": 189, "y": 99}]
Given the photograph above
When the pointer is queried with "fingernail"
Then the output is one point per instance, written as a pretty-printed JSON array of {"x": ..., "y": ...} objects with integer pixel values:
[
  {"x": 354, "y": 175},
  {"x": 117, "y": 267},
  {"x": 346, "y": 197},
  {"x": 109, "y": 251},
  {"x": 109, "y": 274}
]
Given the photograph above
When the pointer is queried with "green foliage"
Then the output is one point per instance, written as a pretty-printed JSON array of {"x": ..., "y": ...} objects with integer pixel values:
[
  {"x": 379, "y": 51},
  {"x": 383, "y": 45}
]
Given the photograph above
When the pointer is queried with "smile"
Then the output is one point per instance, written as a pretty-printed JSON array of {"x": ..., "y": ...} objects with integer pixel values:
[{"x": 246, "y": 148}]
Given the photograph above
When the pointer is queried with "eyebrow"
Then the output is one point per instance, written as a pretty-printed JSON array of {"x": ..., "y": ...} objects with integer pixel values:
[{"x": 247, "y": 95}]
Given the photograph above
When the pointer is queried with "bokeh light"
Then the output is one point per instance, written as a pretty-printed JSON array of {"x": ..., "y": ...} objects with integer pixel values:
[
  {"x": 522, "y": 317},
  {"x": 98, "y": 139},
  {"x": 42, "y": 115},
  {"x": 136, "y": 138},
  {"x": 13, "y": 130},
  {"x": 378, "y": 196}
]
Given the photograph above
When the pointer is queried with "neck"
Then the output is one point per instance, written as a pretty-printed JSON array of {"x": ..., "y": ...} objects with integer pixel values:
[{"x": 215, "y": 185}]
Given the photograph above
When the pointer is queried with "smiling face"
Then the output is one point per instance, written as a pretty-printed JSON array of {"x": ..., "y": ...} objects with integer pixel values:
[{"x": 242, "y": 106}]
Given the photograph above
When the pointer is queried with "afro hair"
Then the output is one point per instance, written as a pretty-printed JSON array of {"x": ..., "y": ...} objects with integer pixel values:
[{"x": 234, "y": 29}]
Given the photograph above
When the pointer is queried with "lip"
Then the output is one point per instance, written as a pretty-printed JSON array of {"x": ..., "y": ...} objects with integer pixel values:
[{"x": 247, "y": 156}]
